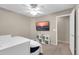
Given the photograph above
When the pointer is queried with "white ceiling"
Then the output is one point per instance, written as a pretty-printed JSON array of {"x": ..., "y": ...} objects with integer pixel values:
[{"x": 45, "y": 8}]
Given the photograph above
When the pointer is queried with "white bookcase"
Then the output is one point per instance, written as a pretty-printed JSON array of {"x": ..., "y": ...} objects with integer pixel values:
[{"x": 43, "y": 38}]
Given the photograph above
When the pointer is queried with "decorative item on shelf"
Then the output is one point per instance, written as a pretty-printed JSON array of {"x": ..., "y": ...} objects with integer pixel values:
[
  {"x": 44, "y": 39},
  {"x": 37, "y": 36},
  {"x": 46, "y": 42}
]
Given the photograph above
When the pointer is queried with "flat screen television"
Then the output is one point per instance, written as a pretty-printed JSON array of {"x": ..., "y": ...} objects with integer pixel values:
[{"x": 42, "y": 26}]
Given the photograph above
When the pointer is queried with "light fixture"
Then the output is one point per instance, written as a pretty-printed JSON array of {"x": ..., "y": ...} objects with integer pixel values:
[
  {"x": 33, "y": 13},
  {"x": 33, "y": 9}
]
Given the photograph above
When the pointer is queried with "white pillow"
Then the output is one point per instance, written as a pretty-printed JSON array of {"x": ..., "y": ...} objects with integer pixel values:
[{"x": 5, "y": 36}]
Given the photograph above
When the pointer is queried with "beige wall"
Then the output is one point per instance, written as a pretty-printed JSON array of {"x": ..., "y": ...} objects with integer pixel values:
[
  {"x": 15, "y": 24},
  {"x": 63, "y": 29},
  {"x": 52, "y": 19}
]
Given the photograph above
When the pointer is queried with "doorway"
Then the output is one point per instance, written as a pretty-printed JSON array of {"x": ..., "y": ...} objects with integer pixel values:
[{"x": 65, "y": 30}]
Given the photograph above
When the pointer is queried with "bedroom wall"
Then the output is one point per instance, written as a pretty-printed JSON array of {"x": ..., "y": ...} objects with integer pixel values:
[
  {"x": 13, "y": 23},
  {"x": 52, "y": 19},
  {"x": 16, "y": 24}
]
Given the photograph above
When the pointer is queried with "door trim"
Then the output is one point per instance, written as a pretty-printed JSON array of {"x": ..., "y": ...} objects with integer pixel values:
[{"x": 75, "y": 33}]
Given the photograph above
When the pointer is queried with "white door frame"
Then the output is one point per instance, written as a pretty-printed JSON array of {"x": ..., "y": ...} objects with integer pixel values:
[{"x": 57, "y": 17}]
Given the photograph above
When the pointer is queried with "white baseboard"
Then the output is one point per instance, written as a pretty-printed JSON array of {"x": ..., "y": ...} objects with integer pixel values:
[{"x": 64, "y": 42}]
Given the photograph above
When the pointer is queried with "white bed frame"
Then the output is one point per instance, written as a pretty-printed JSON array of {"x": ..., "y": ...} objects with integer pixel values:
[{"x": 21, "y": 49}]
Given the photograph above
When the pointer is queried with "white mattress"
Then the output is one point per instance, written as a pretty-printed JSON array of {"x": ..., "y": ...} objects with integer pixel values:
[
  {"x": 9, "y": 42},
  {"x": 32, "y": 42}
]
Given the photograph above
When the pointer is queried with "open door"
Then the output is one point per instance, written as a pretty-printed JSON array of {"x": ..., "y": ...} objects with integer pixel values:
[{"x": 72, "y": 31}]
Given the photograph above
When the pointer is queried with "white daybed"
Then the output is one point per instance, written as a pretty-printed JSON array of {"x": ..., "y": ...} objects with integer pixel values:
[{"x": 18, "y": 46}]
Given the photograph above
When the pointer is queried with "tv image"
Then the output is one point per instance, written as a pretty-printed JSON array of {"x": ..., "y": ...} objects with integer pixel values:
[{"x": 42, "y": 26}]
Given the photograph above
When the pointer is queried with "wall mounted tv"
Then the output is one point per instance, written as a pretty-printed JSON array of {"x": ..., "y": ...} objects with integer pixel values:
[{"x": 42, "y": 26}]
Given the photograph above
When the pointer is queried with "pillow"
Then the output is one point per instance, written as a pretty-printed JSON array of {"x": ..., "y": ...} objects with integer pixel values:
[
  {"x": 5, "y": 39},
  {"x": 5, "y": 36}
]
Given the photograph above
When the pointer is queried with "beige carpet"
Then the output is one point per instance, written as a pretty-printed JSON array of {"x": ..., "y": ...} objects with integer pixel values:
[{"x": 60, "y": 49}]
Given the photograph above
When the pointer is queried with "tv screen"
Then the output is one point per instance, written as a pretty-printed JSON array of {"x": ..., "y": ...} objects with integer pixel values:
[{"x": 42, "y": 26}]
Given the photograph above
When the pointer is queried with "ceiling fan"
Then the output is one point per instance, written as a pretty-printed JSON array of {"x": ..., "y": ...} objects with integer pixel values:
[
  {"x": 34, "y": 9},
  {"x": 33, "y": 5}
]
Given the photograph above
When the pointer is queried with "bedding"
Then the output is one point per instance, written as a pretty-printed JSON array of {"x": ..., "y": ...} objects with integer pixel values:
[
  {"x": 6, "y": 42},
  {"x": 5, "y": 36},
  {"x": 35, "y": 47},
  {"x": 9, "y": 45}
]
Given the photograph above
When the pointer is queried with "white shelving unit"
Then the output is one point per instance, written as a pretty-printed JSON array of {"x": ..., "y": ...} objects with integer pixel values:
[{"x": 44, "y": 39}]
